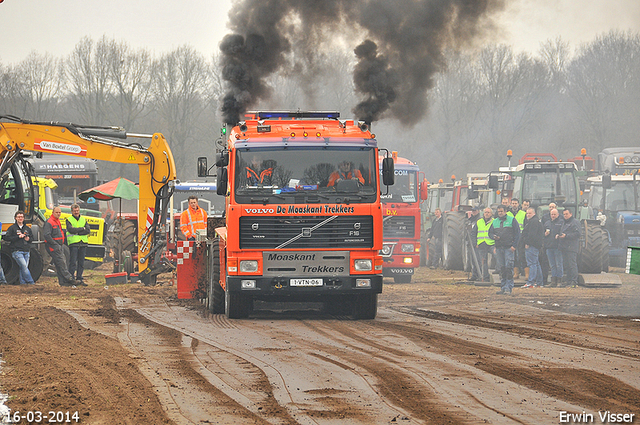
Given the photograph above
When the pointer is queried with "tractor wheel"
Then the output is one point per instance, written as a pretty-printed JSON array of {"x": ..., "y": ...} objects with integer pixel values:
[
  {"x": 12, "y": 271},
  {"x": 127, "y": 237},
  {"x": 605, "y": 252},
  {"x": 591, "y": 256},
  {"x": 36, "y": 265},
  {"x": 216, "y": 293},
  {"x": 452, "y": 240},
  {"x": 127, "y": 262},
  {"x": 424, "y": 251},
  {"x": 467, "y": 260},
  {"x": 10, "y": 268}
]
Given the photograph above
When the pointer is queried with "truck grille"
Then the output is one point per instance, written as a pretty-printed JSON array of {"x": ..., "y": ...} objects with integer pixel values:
[
  {"x": 399, "y": 227},
  {"x": 301, "y": 232}
]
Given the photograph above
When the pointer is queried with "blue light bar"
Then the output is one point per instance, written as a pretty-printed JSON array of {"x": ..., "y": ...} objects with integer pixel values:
[{"x": 289, "y": 114}]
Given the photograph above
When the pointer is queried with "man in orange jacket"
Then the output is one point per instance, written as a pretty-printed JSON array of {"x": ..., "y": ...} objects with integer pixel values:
[{"x": 193, "y": 219}]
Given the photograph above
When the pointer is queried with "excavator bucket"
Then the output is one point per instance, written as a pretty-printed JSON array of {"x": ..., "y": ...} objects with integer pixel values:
[{"x": 601, "y": 280}]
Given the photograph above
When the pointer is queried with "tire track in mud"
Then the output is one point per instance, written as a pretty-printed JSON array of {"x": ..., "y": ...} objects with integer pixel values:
[
  {"x": 193, "y": 398},
  {"x": 407, "y": 385},
  {"x": 322, "y": 396},
  {"x": 556, "y": 330},
  {"x": 427, "y": 374},
  {"x": 579, "y": 386}
]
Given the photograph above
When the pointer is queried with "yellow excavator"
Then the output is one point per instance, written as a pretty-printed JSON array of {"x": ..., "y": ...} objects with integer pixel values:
[{"x": 157, "y": 175}]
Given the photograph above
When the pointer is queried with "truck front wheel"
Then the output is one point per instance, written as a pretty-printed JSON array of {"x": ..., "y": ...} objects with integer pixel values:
[
  {"x": 236, "y": 305},
  {"x": 216, "y": 294},
  {"x": 365, "y": 306}
]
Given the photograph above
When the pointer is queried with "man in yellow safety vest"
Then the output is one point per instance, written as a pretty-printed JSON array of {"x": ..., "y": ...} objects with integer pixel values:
[
  {"x": 193, "y": 219},
  {"x": 78, "y": 231},
  {"x": 484, "y": 242}
]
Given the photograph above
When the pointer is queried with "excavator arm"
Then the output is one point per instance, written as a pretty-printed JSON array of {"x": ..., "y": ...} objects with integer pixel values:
[{"x": 156, "y": 167}]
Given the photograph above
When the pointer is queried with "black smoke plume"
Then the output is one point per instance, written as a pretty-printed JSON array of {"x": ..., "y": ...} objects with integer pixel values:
[{"x": 401, "y": 47}]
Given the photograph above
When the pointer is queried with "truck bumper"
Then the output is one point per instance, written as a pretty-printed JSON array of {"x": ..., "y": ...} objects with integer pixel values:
[{"x": 281, "y": 287}]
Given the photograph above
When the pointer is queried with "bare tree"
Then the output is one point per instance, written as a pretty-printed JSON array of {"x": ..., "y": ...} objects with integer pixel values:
[
  {"x": 89, "y": 76},
  {"x": 12, "y": 92},
  {"x": 43, "y": 82},
  {"x": 604, "y": 83},
  {"x": 555, "y": 54},
  {"x": 130, "y": 72},
  {"x": 182, "y": 82}
]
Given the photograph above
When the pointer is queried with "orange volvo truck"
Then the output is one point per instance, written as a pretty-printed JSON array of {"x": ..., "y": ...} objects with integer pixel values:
[
  {"x": 303, "y": 215},
  {"x": 401, "y": 220}
]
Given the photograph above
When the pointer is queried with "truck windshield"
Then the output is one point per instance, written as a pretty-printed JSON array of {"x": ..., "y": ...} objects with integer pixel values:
[
  {"x": 619, "y": 198},
  {"x": 404, "y": 189},
  {"x": 542, "y": 188},
  {"x": 303, "y": 175}
]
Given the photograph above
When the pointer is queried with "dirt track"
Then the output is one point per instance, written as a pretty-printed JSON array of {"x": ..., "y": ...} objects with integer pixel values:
[{"x": 437, "y": 353}]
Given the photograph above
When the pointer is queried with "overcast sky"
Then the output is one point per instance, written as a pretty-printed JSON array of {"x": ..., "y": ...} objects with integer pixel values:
[{"x": 162, "y": 25}]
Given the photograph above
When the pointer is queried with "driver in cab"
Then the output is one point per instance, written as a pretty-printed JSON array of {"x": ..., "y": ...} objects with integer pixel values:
[
  {"x": 345, "y": 172},
  {"x": 256, "y": 174}
]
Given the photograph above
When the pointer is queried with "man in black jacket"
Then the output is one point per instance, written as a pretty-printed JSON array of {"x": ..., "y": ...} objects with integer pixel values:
[
  {"x": 505, "y": 231},
  {"x": 435, "y": 235},
  {"x": 568, "y": 243},
  {"x": 20, "y": 237},
  {"x": 532, "y": 239},
  {"x": 553, "y": 228}
]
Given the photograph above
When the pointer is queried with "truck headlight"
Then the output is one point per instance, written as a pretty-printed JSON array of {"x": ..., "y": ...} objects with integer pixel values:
[
  {"x": 248, "y": 266},
  {"x": 407, "y": 247},
  {"x": 386, "y": 250},
  {"x": 362, "y": 265}
]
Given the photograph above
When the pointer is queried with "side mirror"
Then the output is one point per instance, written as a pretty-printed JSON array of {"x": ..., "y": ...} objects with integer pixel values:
[
  {"x": 202, "y": 166},
  {"x": 472, "y": 193},
  {"x": 424, "y": 191},
  {"x": 606, "y": 181},
  {"x": 388, "y": 171},
  {"x": 221, "y": 184},
  {"x": 493, "y": 183},
  {"x": 222, "y": 159}
]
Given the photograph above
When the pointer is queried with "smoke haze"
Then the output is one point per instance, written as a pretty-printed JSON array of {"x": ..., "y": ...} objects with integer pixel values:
[{"x": 400, "y": 50}]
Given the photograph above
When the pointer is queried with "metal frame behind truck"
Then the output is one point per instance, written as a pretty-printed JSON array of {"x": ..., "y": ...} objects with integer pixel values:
[{"x": 295, "y": 234}]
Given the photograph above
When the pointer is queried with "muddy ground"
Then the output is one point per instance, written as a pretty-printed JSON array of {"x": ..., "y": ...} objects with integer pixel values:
[{"x": 439, "y": 352}]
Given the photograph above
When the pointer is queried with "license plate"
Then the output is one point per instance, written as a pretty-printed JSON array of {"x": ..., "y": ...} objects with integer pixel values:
[{"x": 305, "y": 282}]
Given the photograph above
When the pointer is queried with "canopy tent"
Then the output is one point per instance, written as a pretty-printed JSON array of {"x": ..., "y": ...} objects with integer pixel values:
[{"x": 118, "y": 188}]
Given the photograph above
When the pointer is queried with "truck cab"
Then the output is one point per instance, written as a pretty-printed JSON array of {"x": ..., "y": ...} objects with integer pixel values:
[
  {"x": 401, "y": 221},
  {"x": 303, "y": 214}
]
